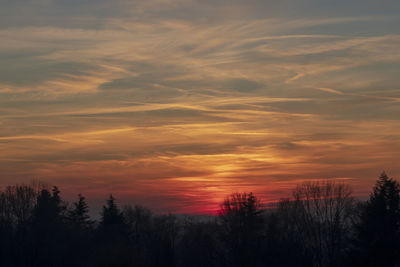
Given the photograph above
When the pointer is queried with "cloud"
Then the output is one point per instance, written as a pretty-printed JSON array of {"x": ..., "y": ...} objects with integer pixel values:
[
  {"x": 191, "y": 100},
  {"x": 330, "y": 90}
]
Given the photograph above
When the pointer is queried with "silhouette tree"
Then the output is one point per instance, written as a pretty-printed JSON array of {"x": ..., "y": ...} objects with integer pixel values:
[
  {"x": 140, "y": 228},
  {"x": 48, "y": 209},
  {"x": 320, "y": 216},
  {"x": 17, "y": 204},
  {"x": 284, "y": 238},
  {"x": 81, "y": 233},
  {"x": 21, "y": 200},
  {"x": 139, "y": 221},
  {"x": 319, "y": 226},
  {"x": 79, "y": 215},
  {"x": 378, "y": 231},
  {"x": 112, "y": 237},
  {"x": 6, "y": 229},
  {"x": 111, "y": 216},
  {"x": 242, "y": 221},
  {"x": 48, "y": 228}
]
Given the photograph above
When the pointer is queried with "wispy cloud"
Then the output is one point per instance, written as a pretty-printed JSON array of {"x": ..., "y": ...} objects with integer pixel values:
[{"x": 190, "y": 100}]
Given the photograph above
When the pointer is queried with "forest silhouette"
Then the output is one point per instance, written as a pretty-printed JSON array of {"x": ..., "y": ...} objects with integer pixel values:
[{"x": 322, "y": 224}]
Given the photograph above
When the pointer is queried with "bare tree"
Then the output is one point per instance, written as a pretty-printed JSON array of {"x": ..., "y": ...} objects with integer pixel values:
[
  {"x": 320, "y": 216},
  {"x": 139, "y": 221},
  {"x": 17, "y": 202}
]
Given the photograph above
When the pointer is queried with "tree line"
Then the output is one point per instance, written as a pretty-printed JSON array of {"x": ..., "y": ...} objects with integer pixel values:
[{"x": 322, "y": 224}]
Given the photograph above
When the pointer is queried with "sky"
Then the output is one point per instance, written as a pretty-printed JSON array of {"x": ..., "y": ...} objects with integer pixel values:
[{"x": 174, "y": 104}]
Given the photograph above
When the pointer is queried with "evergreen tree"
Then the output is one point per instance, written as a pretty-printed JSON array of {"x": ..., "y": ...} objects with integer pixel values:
[
  {"x": 111, "y": 216},
  {"x": 378, "y": 232},
  {"x": 79, "y": 214},
  {"x": 113, "y": 246},
  {"x": 80, "y": 234},
  {"x": 49, "y": 228},
  {"x": 48, "y": 209}
]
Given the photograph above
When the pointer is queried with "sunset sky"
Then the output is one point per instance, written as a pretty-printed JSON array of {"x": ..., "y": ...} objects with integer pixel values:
[{"x": 173, "y": 104}]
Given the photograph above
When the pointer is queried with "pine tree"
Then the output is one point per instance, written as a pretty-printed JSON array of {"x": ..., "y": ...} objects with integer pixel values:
[
  {"x": 46, "y": 213},
  {"x": 79, "y": 215},
  {"x": 112, "y": 219},
  {"x": 80, "y": 233},
  {"x": 378, "y": 233},
  {"x": 48, "y": 228},
  {"x": 112, "y": 237}
]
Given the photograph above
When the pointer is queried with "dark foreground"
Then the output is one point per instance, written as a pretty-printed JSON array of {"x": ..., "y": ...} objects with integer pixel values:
[{"x": 321, "y": 225}]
